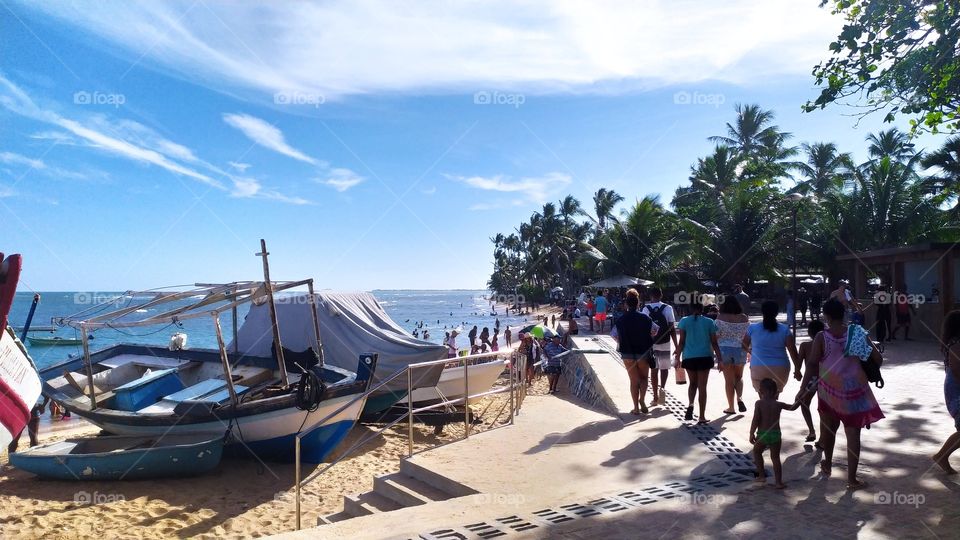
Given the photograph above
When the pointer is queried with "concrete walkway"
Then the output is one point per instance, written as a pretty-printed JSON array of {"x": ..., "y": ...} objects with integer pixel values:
[{"x": 566, "y": 471}]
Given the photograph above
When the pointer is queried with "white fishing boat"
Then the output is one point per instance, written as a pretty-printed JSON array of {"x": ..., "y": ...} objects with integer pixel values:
[
  {"x": 483, "y": 374},
  {"x": 264, "y": 401}
]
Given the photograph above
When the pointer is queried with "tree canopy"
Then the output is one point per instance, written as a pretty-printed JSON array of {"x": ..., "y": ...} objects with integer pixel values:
[{"x": 902, "y": 55}]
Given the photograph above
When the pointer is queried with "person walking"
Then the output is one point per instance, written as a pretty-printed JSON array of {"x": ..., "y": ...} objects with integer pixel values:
[
  {"x": 600, "y": 307},
  {"x": 697, "y": 344},
  {"x": 843, "y": 392},
  {"x": 803, "y": 303},
  {"x": 882, "y": 299},
  {"x": 742, "y": 297},
  {"x": 816, "y": 301},
  {"x": 732, "y": 324},
  {"x": 590, "y": 306},
  {"x": 507, "y": 334},
  {"x": 903, "y": 310},
  {"x": 666, "y": 321},
  {"x": 472, "y": 338},
  {"x": 634, "y": 334},
  {"x": 770, "y": 343},
  {"x": 950, "y": 337}
]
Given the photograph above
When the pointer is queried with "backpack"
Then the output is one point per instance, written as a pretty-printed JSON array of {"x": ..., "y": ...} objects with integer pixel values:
[{"x": 664, "y": 327}]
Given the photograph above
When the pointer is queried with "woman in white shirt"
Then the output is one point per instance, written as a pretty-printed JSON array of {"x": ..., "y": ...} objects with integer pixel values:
[{"x": 732, "y": 324}]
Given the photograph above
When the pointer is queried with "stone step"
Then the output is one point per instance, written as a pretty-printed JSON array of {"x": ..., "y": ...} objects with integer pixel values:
[
  {"x": 368, "y": 503},
  {"x": 407, "y": 491},
  {"x": 434, "y": 480}
]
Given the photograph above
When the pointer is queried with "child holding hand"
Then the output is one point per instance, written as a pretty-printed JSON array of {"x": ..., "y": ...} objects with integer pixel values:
[{"x": 765, "y": 430}]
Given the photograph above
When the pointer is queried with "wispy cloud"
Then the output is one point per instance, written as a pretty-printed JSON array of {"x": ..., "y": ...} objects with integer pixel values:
[
  {"x": 11, "y": 158},
  {"x": 130, "y": 140},
  {"x": 535, "y": 189},
  {"x": 538, "y": 46},
  {"x": 241, "y": 167},
  {"x": 341, "y": 179},
  {"x": 266, "y": 135}
]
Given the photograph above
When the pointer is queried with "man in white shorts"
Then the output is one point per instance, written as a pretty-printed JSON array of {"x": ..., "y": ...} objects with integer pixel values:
[{"x": 662, "y": 314}]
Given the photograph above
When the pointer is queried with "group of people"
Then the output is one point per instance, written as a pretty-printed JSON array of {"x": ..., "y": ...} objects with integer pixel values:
[
  {"x": 483, "y": 342},
  {"x": 826, "y": 367}
]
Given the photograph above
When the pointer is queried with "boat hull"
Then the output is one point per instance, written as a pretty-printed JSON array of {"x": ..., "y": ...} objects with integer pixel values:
[
  {"x": 155, "y": 462},
  {"x": 450, "y": 386},
  {"x": 270, "y": 435}
]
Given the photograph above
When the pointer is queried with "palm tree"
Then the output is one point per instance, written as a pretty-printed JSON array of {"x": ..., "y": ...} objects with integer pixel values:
[
  {"x": 945, "y": 185},
  {"x": 643, "y": 242},
  {"x": 604, "y": 201},
  {"x": 893, "y": 143},
  {"x": 752, "y": 134},
  {"x": 890, "y": 202},
  {"x": 718, "y": 171},
  {"x": 569, "y": 207},
  {"x": 824, "y": 170}
]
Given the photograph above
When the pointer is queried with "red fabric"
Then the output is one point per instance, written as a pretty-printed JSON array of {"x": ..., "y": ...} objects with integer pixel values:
[{"x": 14, "y": 413}]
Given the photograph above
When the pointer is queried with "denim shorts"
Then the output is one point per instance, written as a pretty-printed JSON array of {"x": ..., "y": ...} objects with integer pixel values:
[{"x": 733, "y": 356}]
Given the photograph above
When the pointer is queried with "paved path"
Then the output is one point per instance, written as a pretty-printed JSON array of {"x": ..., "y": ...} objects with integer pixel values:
[{"x": 568, "y": 472}]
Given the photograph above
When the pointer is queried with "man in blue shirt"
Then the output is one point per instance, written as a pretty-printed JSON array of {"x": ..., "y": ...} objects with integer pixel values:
[
  {"x": 600, "y": 308},
  {"x": 554, "y": 363}
]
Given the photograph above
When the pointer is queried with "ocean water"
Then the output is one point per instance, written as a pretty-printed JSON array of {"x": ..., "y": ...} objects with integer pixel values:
[{"x": 439, "y": 311}]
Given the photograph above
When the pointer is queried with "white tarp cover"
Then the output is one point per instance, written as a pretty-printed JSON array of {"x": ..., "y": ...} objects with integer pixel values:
[
  {"x": 350, "y": 324},
  {"x": 19, "y": 387}
]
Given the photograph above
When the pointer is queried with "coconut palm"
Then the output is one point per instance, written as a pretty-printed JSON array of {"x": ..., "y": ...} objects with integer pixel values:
[
  {"x": 604, "y": 201},
  {"x": 825, "y": 169},
  {"x": 891, "y": 143},
  {"x": 945, "y": 185},
  {"x": 752, "y": 134}
]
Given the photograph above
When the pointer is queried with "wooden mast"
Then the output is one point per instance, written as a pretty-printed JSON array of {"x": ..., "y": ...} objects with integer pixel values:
[
  {"x": 278, "y": 347},
  {"x": 316, "y": 322}
]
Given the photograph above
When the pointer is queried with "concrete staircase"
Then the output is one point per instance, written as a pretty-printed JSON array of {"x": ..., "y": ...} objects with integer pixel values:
[{"x": 414, "y": 485}]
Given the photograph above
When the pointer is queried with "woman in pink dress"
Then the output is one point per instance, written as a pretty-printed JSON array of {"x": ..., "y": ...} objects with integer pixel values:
[{"x": 843, "y": 392}]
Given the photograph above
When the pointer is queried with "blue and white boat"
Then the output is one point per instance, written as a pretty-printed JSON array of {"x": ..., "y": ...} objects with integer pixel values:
[
  {"x": 122, "y": 458},
  {"x": 264, "y": 401}
]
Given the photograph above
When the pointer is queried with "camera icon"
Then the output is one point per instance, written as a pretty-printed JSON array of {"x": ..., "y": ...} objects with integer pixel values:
[
  {"x": 681, "y": 297},
  {"x": 481, "y": 98},
  {"x": 281, "y": 98},
  {"x": 682, "y": 98},
  {"x": 82, "y": 497},
  {"x": 882, "y": 497},
  {"x": 883, "y": 298},
  {"x": 82, "y": 98},
  {"x": 82, "y": 298}
]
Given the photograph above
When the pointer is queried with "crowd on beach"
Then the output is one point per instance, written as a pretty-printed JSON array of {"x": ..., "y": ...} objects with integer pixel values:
[{"x": 836, "y": 365}]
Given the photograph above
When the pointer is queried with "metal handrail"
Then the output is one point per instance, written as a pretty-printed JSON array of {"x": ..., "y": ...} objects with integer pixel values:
[{"x": 517, "y": 389}]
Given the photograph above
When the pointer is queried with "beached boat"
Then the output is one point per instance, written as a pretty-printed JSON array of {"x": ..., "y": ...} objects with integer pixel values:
[
  {"x": 350, "y": 324},
  {"x": 54, "y": 341},
  {"x": 266, "y": 401},
  {"x": 482, "y": 376},
  {"x": 122, "y": 458}
]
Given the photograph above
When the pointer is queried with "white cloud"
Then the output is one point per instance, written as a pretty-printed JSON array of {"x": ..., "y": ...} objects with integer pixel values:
[
  {"x": 535, "y": 189},
  {"x": 6, "y": 191},
  {"x": 11, "y": 158},
  {"x": 264, "y": 134},
  {"x": 342, "y": 179},
  {"x": 128, "y": 139},
  {"x": 343, "y": 47},
  {"x": 429, "y": 191},
  {"x": 58, "y": 137},
  {"x": 242, "y": 167}
]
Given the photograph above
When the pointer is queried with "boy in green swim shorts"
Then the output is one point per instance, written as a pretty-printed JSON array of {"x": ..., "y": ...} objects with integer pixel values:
[{"x": 765, "y": 430}]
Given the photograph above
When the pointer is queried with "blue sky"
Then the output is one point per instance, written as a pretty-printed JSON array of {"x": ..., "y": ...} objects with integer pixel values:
[{"x": 374, "y": 145}]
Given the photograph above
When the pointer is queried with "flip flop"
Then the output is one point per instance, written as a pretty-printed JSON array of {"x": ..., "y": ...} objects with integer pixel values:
[
  {"x": 743, "y": 408},
  {"x": 811, "y": 438},
  {"x": 635, "y": 412},
  {"x": 729, "y": 411}
]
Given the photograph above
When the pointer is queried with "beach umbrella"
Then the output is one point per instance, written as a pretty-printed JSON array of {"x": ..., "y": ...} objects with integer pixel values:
[{"x": 540, "y": 331}]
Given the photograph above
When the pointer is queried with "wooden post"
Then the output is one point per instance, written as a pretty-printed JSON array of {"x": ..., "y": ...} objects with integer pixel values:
[
  {"x": 224, "y": 359},
  {"x": 85, "y": 339},
  {"x": 278, "y": 346},
  {"x": 316, "y": 322}
]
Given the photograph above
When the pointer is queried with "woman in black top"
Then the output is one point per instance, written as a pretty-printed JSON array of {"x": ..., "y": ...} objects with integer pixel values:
[{"x": 635, "y": 331}]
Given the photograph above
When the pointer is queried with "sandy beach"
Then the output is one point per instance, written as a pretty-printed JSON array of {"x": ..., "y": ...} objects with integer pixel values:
[{"x": 241, "y": 498}]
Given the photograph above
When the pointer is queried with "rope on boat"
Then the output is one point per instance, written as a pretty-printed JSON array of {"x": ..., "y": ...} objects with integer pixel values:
[{"x": 309, "y": 391}]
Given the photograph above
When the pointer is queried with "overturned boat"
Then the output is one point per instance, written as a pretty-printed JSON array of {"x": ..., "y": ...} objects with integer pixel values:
[
  {"x": 350, "y": 324},
  {"x": 265, "y": 400}
]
